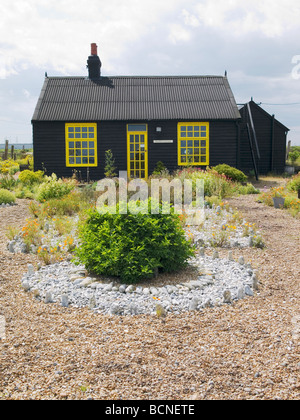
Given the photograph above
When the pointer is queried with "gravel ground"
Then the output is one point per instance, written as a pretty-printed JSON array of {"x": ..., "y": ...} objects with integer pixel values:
[{"x": 248, "y": 350}]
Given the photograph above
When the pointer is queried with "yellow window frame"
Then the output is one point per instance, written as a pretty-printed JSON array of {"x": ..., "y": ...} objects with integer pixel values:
[
  {"x": 81, "y": 144},
  {"x": 193, "y": 143},
  {"x": 137, "y": 153}
]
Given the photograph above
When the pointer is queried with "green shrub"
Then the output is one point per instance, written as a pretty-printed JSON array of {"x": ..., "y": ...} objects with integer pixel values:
[
  {"x": 294, "y": 183},
  {"x": 31, "y": 177},
  {"x": 214, "y": 183},
  {"x": 53, "y": 187},
  {"x": 6, "y": 197},
  {"x": 132, "y": 246},
  {"x": 232, "y": 173},
  {"x": 247, "y": 189}
]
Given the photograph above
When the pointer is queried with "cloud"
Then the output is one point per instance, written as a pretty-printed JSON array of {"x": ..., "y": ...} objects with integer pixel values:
[
  {"x": 58, "y": 34},
  {"x": 268, "y": 17}
]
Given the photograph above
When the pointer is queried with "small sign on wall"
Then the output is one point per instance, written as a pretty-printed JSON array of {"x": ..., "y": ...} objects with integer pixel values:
[{"x": 162, "y": 141}]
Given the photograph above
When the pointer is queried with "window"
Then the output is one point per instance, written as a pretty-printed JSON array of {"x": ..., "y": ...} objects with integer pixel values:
[
  {"x": 81, "y": 144},
  {"x": 193, "y": 143}
]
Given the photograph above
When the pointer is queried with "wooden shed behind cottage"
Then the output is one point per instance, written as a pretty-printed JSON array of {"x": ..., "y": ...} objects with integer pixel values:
[{"x": 262, "y": 141}]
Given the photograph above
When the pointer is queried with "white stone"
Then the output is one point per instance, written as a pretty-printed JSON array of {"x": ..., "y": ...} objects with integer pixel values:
[
  {"x": 64, "y": 301},
  {"x": 30, "y": 270}
]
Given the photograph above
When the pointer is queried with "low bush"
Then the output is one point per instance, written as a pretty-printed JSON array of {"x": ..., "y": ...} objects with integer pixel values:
[
  {"x": 31, "y": 177},
  {"x": 231, "y": 172},
  {"x": 52, "y": 187},
  {"x": 132, "y": 246},
  {"x": 294, "y": 183},
  {"x": 6, "y": 197}
]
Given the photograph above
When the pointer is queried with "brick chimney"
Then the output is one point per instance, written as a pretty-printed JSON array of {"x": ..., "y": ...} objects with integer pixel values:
[{"x": 94, "y": 63}]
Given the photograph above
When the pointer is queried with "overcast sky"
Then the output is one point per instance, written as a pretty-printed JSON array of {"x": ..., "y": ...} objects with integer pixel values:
[{"x": 256, "y": 41}]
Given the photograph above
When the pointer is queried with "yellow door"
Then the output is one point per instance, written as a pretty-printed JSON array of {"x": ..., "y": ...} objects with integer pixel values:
[{"x": 137, "y": 153}]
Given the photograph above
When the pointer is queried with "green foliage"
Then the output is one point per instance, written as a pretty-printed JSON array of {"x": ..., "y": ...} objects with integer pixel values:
[
  {"x": 30, "y": 177},
  {"x": 132, "y": 246},
  {"x": 109, "y": 169},
  {"x": 6, "y": 197},
  {"x": 294, "y": 155},
  {"x": 160, "y": 167},
  {"x": 294, "y": 183},
  {"x": 247, "y": 189},
  {"x": 8, "y": 182},
  {"x": 53, "y": 187},
  {"x": 232, "y": 173}
]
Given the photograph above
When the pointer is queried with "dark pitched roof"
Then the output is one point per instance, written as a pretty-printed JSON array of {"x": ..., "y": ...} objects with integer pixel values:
[{"x": 136, "y": 98}]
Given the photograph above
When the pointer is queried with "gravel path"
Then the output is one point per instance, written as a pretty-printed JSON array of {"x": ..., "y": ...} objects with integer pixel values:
[{"x": 248, "y": 350}]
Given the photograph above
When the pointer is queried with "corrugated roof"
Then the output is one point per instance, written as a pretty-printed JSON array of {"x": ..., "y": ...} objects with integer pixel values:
[{"x": 136, "y": 98}]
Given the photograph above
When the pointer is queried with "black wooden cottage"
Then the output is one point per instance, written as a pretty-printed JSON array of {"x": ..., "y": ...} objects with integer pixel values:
[{"x": 179, "y": 120}]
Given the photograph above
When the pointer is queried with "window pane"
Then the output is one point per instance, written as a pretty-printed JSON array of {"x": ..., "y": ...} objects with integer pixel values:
[
  {"x": 131, "y": 165},
  {"x": 91, "y": 129},
  {"x": 131, "y": 156},
  {"x": 71, "y": 145},
  {"x": 131, "y": 138},
  {"x": 203, "y": 143},
  {"x": 190, "y": 151},
  {"x": 183, "y": 143},
  {"x": 190, "y": 134},
  {"x": 78, "y": 160},
  {"x": 71, "y": 152},
  {"x": 78, "y": 145},
  {"x": 78, "y": 152},
  {"x": 137, "y": 138},
  {"x": 203, "y": 158},
  {"x": 91, "y": 135},
  {"x": 84, "y": 152},
  {"x": 91, "y": 152},
  {"x": 190, "y": 128},
  {"x": 84, "y": 135},
  {"x": 190, "y": 143},
  {"x": 183, "y": 134},
  {"x": 196, "y": 143},
  {"x": 142, "y": 174},
  {"x": 84, "y": 129},
  {"x": 91, "y": 144},
  {"x": 71, "y": 161},
  {"x": 137, "y": 127},
  {"x": 196, "y": 159},
  {"x": 137, "y": 147},
  {"x": 183, "y": 159},
  {"x": 71, "y": 129},
  {"x": 71, "y": 135},
  {"x": 142, "y": 138},
  {"x": 203, "y": 128},
  {"x": 132, "y": 147},
  {"x": 84, "y": 145},
  {"x": 196, "y": 151},
  {"x": 203, "y": 134},
  {"x": 85, "y": 160},
  {"x": 92, "y": 160},
  {"x": 203, "y": 151},
  {"x": 183, "y": 151},
  {"x": 77, "y": 129}
]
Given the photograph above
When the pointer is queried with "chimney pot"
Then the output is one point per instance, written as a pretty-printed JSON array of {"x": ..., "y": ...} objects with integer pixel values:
[{"x": 94, "y": 49}]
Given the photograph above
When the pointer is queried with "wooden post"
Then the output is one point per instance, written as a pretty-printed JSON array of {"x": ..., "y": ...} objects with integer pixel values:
[{"x": 5, "y": 157}]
